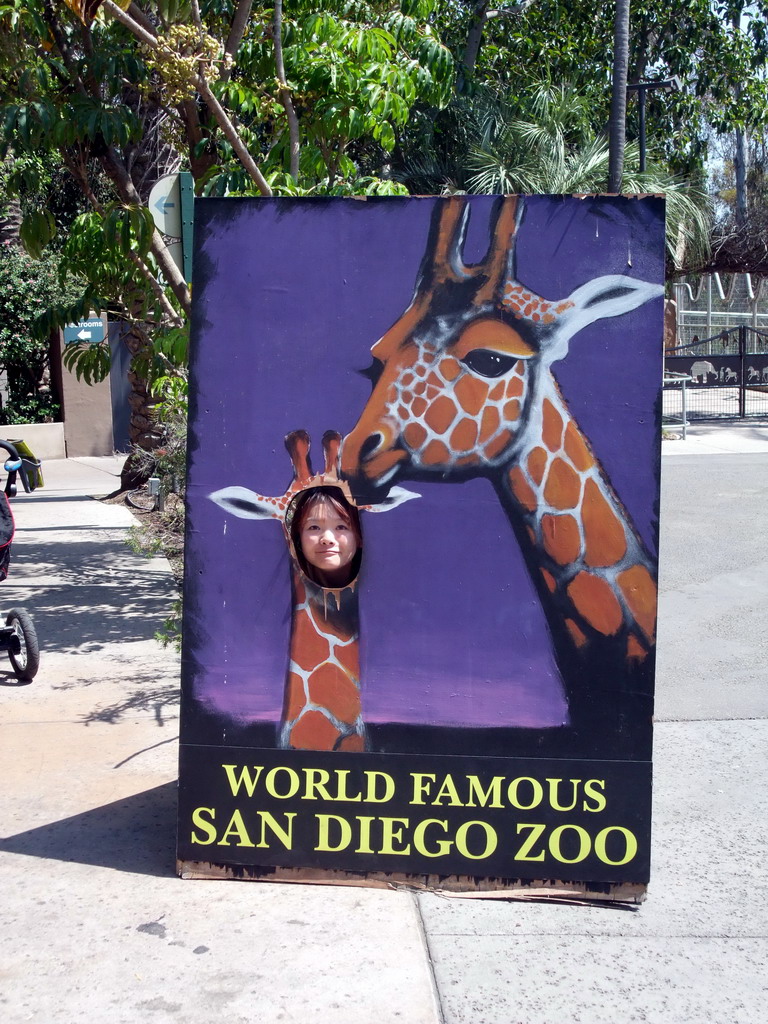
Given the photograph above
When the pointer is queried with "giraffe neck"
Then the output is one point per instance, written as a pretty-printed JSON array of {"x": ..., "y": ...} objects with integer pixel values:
[
  {"x": 590, "y": 566},
  {"x": 322, "y": 709}
]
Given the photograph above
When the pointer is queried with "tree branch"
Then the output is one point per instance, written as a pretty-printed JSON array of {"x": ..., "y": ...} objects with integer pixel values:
[
  {"x": 116, "y": 170},
  {"x": 236, "y": 33},
  {"x": 231, "y": 134},
  {"x": 284, "y": 92},
  {"x": 138, "y": 15},
  {"x": 79, "y": 174},
  {"x": 213, "y": 104},
  {"x": 156, "y": 287},
  {"x": 196, "y": 16}
]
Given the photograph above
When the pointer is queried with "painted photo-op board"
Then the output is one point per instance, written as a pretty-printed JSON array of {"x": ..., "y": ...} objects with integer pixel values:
[{"x": 466, "y": 701}]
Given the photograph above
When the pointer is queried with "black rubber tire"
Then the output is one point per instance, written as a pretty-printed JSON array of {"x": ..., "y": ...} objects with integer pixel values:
[{"x": 25, "y": 664}]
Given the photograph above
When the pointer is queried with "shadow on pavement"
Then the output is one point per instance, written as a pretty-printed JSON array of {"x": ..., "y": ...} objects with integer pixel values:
[
  {"x": 88, "y": 593},
  {"x": 157, "y": 699},
  {"x": 136, "y": 835}
]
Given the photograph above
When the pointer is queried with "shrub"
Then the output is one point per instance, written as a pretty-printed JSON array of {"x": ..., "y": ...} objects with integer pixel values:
[{"x": 27, "y": 289}]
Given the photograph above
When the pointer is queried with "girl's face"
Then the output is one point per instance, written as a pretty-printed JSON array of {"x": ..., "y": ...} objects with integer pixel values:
[{"x": 328, "y": 541}]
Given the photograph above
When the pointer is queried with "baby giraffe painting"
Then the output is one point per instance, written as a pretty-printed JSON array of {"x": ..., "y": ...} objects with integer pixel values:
[{"x": 322, "y": 703}]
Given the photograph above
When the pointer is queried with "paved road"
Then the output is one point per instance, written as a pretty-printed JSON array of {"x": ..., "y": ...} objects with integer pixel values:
[{"x": 96, "y": 924}]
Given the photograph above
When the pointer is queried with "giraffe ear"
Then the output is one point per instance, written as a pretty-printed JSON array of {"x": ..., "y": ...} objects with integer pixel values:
[
  {"x": 610, "y": 296},
  {"x": 245, "y": 504}
]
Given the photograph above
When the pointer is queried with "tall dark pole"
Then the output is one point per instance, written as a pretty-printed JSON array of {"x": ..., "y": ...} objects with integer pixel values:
[
  {"x": 641, "y": 119},
  {"x": 617, "y": 127}
]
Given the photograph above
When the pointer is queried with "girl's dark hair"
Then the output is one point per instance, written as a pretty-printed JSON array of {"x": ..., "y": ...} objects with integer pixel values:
[{"x": 332, "y": 498}]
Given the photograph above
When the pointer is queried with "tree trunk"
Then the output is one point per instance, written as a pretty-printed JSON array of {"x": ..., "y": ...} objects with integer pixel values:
[
  {"x": 141, "y": 424},
  {"x": 10, "y": 213},
  {"x": 472, "y": 48},
  {"x": 617, "y": 127},
  {"x": 10, "y": 221}
]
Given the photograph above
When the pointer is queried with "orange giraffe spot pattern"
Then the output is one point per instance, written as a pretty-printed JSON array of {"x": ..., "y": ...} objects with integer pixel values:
[
  {"x": 576, "y": 448},
  {"x": 435, "y": 453},
  {"x": 490, "y": 423},
  {"x": 639, "y": 590},
  {"x": 537, "y": 463},
  {"x": 512, "y": 411},
  {"x": 310, "y": 647},
  {"x": 471, "y": 394},
  {"x": 576, "y": 634},
  {"x": 415, "y": 435},
  {"x": 450, "y": 369},
  {"x": 464, "y": 436},
  {"x": 353, "y": 743},
  {"x": 330, "y": 688},
  {"x": 552, "y": 429},
  {"x": 563, "y": 487},
  {"x": 314, "y": 731},
  {"x": 522, "y": 489},
  {"x": 604, "y": 537},
  {"x": 634, "y": 650},
  {"x": 515, "y": 386},
  {"x": 561, "y": 538},
  {"x": 595, "y": 600},
  {"x": 549, "y": 580},
  {"x": 296, "y": 697},
  {"x": 348, "y": 656},
  {"x": 495, "y": 447},
  {"x": 441, "y": 414}
]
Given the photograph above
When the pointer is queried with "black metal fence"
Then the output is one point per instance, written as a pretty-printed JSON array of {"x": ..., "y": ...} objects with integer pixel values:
[{"x": 728, "y": 376}]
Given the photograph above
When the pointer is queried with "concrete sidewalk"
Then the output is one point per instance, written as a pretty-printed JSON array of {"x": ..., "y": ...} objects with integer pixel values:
[{"x": 97, "y": 924}]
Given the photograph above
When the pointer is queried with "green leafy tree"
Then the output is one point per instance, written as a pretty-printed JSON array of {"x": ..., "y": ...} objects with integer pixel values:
[
  {"x": 544, "y": 143},
  {"x": 720, "y": 63},
  {"x": 252, "y": 102},
  {"x": 27, "y": 288}
]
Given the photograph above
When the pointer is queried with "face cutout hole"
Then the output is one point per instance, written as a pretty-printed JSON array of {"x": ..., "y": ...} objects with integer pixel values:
[{"x": 326, "y": 539}]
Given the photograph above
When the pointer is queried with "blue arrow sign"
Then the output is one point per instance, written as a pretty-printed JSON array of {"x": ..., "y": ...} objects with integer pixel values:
[
  {"x": 90, "y": 332},
  {"x": 164, "y": 205}
]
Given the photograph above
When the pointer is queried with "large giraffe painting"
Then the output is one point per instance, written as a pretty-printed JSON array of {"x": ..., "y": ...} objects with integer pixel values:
[
  {"x": 496, "y": 360},
  {"x": 464, "y": 387}
]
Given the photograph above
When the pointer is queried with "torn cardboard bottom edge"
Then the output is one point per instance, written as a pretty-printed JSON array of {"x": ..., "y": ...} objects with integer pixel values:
[{"x": 454, "y": 886}]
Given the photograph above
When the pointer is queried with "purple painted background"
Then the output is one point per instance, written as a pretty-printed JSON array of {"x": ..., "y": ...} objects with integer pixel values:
[{"x": 289, "y": 297}]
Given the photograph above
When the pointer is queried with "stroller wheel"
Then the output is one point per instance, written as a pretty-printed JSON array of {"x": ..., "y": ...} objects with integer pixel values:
[{"x": 27, "y": 661}]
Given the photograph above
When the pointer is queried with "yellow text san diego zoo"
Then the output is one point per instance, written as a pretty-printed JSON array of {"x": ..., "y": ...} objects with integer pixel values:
[
  {"x": 428, "y": 837},
  {"x": 431, "y": 837}
]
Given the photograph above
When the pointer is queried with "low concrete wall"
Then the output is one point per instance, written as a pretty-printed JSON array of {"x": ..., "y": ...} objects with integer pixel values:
[{"x": 45, "y": 439}]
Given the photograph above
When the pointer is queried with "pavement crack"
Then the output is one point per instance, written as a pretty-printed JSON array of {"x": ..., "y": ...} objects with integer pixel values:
[{"x": 428, "y": 950}]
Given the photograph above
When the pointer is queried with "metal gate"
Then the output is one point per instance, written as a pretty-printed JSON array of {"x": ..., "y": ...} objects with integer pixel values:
[{"x": 726, "y": 376}]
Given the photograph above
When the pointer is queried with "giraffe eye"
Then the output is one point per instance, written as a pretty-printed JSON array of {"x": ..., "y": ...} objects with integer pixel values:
[{"x": 487, "y": 363}]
